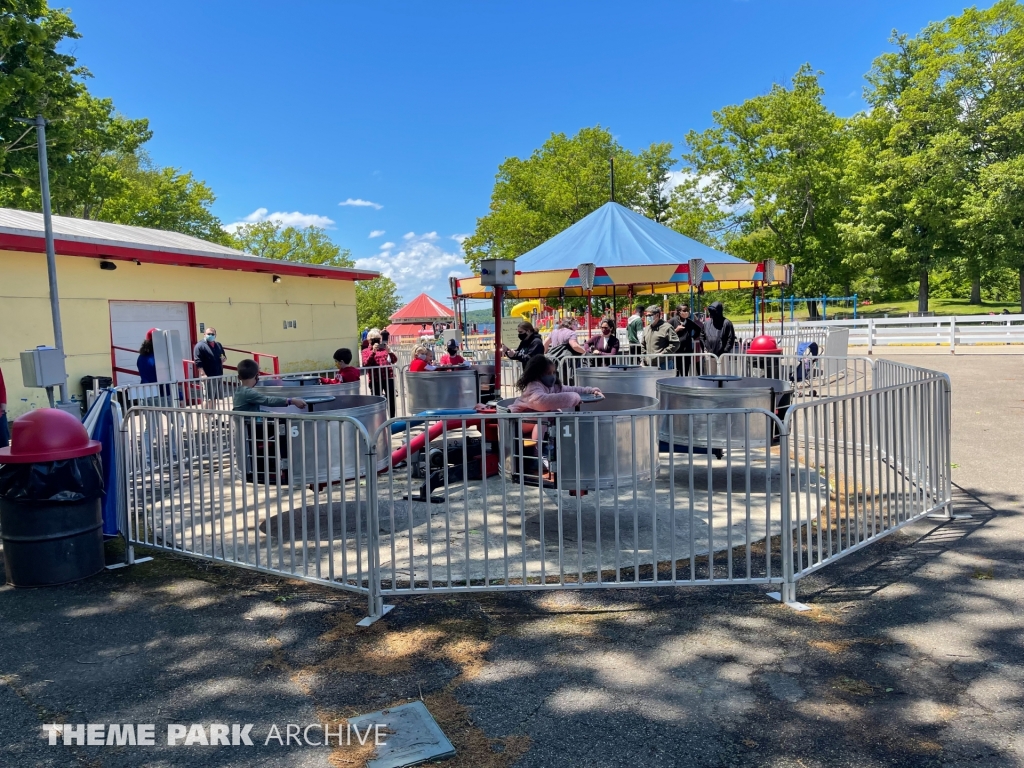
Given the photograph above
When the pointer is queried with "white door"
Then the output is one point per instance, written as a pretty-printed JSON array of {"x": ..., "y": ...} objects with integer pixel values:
[{"x": 129, "y": 321}]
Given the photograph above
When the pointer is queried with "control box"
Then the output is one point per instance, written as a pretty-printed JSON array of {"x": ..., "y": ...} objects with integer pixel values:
[
  {"x": 43, "y": 367},
  {"x": 498, "y": 272}
]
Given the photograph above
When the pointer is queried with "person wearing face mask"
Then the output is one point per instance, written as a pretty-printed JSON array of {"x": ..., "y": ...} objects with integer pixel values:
[
  {"x": 718, "y": 334},
  {"x": 659, "y": 340},
  {"x": 209, "y": 355},
  {"x": 530, "y": 344},
  {"x": 421, "y": 357},
  {"x": 452, "y": 356},
  {"x": 605, "y": 343}
]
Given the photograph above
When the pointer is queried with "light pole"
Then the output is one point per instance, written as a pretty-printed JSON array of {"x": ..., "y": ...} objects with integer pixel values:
[{"x": 51, "y": 258}]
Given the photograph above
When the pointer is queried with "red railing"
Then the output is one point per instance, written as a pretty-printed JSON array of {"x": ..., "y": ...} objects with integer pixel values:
[
  {"x": 189, "y": 366},
  {"x": 258, "y": 357}
]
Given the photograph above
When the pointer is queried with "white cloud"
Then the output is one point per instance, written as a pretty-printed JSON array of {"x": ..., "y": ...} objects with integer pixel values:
[
  {"x": 419, "y": 265},
  {"x": 376, "y": 233},
  {"x": 284, "y": 218},
  {"x": 460, "y": 238},
  {"x": 360, "y": 203},
  {"x": 408, "y": 235}
]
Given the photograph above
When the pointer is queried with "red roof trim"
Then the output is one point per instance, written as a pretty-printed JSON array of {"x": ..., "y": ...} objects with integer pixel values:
[{"x": 9, "y": 242}]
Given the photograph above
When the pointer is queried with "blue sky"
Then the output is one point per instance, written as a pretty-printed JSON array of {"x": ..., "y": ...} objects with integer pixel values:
[{"x": 299, "y": 108}]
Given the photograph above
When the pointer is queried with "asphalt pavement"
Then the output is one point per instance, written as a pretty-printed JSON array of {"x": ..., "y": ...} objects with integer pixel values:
[{"x": 912, "y": 654}]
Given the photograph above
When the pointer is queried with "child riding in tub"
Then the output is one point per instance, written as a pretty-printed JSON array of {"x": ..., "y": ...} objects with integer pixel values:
[{"x": 542, "y": 392}]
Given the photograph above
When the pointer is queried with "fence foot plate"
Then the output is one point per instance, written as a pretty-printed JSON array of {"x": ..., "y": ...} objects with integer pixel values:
[
  {"x": 960, "y": 516},
  {"x": 371, "y": 619},
  {"x": 138, "y": 560},
  {"x": 794, "y": 605}
]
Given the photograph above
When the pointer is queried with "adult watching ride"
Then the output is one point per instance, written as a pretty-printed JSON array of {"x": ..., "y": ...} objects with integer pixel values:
[
  {"x": 659, "y": 340},
  {"x": 209, "y": 355},
  {"x": 718, "y": 335},
  {"x": 530, "y": 344}
]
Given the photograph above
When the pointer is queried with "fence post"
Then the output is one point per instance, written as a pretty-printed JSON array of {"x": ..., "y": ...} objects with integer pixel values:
[
  {"x": 787, "y": 591},
  {"x": 871, "y": 335},
  {"x": 375, "y": 599},
  {"x": 952, "y": 334}
]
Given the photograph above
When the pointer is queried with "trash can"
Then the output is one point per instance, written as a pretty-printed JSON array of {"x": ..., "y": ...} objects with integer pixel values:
[{"x": 51, "y": 488}]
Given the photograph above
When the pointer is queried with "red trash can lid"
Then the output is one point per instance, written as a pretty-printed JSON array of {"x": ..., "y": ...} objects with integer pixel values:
[
  {"x": 764, "y": 345},
  {"x": 47, "y": 434}
]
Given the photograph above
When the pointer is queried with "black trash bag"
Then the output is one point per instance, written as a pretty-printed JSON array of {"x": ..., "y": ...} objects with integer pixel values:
[{"x": 65, "y": 480}]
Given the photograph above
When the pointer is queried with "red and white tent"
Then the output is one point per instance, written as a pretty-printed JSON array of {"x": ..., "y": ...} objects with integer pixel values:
[{"x": 418, "y": 317}]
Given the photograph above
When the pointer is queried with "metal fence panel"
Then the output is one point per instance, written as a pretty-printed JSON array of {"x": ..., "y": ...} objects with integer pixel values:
[{"x": 291, "y": 495}]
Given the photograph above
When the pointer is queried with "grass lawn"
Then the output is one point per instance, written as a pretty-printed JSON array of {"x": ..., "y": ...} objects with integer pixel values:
[{"x": 940, "y": 307}]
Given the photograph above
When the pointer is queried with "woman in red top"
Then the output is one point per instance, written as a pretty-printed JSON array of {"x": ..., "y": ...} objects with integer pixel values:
[
  {"x": 346, "y": 371},
  {"x": 379, "y": 364}
]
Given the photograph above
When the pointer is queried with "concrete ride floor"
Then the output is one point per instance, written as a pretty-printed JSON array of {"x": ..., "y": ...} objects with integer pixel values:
[{"x": 912, "y": 653}]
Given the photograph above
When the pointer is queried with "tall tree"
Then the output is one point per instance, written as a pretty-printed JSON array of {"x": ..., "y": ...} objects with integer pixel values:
[
  {"x": 933, "y": 127},
  {"x": 376, "y": 301},
  {"x": 310, "y": 245},
  {"x": 560, "y": 183},
  {"x": 774, "y": 164}
]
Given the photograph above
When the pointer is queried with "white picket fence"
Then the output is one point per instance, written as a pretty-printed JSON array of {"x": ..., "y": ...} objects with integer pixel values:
[{"x": 950, "y": 331}]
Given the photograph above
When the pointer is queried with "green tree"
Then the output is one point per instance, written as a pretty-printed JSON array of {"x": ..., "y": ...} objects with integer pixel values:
[
  {"x": 376, "y": 301},
  {"x": 656, "y": 162},
  {"x": 34, "y": 78},
  {"x": 310, "y": 245},
  {"x": 770, "y": 172},
  {"x": 944, "y": 106},
  {"x": 560, "y": 183}
]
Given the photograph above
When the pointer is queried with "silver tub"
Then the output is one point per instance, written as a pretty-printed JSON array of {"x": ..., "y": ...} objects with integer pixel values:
[
  {"x": 609, "y": 451},
  {"x": 307, "y": 390},
  {"x": 625, "y": 379},
  {"x": 324, "y": 450},
  {"x": 720, "y": 430},
  {"x": 436, "y": 390}
]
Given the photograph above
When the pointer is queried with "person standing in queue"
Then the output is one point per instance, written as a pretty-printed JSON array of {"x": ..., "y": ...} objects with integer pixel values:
[
  {"x": 146, "y": 363},
  {"x": 635, "y": 329},
  {"x": 452, "y": 356},
  {"x": 687, "y": 330},
  {"x": 5, "y": 432},
  {"x": 659, "y": 340},
  {"x": 346, "y": 371},
  {"x": 209, "y": 355},
  {"x": 718, "y": 335},
  {"x": 379, "y": 364},
  {"x": 605, "y": 343},
  {"x": 421, "y": 359},
  {"x": 530, "y": 344}
]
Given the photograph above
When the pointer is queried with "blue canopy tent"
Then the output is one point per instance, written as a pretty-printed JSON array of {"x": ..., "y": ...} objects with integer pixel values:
[{"x": 630, "y": 251}]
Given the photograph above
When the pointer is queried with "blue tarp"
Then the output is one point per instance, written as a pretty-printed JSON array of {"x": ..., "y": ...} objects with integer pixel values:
[
  {"x": 614, "y": 236},
  {"x": 102, "y": 429}
]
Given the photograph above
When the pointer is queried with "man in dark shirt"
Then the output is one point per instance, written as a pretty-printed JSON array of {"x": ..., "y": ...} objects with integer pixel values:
[
  {"x": 209, "y": 355},
  {"x": 687, "y": 330},
  {"x": 719, "y": 336}
]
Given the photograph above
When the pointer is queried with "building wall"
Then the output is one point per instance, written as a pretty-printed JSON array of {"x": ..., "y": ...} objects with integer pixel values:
[{"x": 247, "y": 309}]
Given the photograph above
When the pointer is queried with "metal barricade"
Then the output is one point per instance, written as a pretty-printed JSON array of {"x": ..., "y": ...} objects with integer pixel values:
[
  {"x": 513, "y": 501},
  {"x": 560, "y": 508},
  {"x": 862, "y": 466},
  {"x": 240, "y": 488},
  {"x": 812, "y": 377}
]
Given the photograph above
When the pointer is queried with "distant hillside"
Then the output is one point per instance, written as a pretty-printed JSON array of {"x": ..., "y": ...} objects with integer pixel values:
[{"x": 480, "y": 316}]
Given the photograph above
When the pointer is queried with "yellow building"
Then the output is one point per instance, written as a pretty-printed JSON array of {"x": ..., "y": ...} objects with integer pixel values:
[{"x": 116, "y": 281}]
